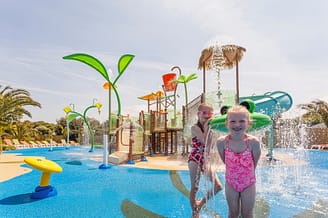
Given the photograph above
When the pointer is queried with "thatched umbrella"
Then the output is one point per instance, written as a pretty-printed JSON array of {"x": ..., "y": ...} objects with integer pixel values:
[
  {"x": 205, "y": 62},
  {"x": 221, "y": 57},
  {"x": 232, "y": 55}
]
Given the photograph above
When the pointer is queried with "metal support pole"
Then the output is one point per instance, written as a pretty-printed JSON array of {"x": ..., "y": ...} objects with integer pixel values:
[{"x": 105, "y": 164}]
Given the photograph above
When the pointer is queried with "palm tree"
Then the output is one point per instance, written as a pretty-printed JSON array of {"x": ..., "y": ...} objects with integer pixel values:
[
  {"x": 185, "y": 79},
  {"x": 21, "y": 130},
  {"x": 12, "y": 103},
  {"x": 75, "y": 126},
  {"x": 317, "y": 112},
  {"x": 43, "y": 130}
]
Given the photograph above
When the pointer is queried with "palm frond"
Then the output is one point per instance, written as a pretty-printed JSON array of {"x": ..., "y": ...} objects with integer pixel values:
[
  {"x": 316, "y": 110},
  {"x": 191, "y": 77},
  {"x": 205, "y": 58}
]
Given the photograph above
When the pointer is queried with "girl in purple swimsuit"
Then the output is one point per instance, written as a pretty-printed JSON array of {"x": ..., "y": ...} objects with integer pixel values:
[
  {"x": 240, "y": 153},
  {"x": 196, "y": 159}
]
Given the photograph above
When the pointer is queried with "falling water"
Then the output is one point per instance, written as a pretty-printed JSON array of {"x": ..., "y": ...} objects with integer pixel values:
[{"x": 85, "y": 135}]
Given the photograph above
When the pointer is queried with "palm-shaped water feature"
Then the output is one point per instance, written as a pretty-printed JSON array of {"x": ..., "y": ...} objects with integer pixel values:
[
  {"x": 71, "y": 114},
  {"x": 93, "y": 62}
]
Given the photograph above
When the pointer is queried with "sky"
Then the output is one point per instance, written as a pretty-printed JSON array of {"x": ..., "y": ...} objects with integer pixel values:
[{"x": 286, "y": 49}]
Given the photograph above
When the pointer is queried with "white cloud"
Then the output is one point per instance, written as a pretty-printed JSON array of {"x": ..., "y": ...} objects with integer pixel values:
[{"x": 286, "y": 48}]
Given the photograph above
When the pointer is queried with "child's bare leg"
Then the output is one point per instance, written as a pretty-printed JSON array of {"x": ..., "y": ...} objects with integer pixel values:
[
  {"x": 248, "y": 201},
  {"x": 233, "y": 201},
  {"x": 217, "y": 187},
  {"x": 194, "y": 172}
]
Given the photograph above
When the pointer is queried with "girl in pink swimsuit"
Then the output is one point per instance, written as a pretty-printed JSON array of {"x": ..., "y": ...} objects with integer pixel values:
[
  {"x": 240, "y": 170},
  {"x": 196, "y": 160},
  {"x": 240, "y": 153}
]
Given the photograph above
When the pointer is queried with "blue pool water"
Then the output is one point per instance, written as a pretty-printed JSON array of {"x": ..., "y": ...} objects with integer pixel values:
[{"x": 86, "y": 191}]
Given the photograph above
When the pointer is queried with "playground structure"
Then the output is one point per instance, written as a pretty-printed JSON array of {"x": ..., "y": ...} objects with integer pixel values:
[
  {"x": 127, "y": 140},
  {"x": 156, "y": 131},
  {"x": 160, "y": 132},
  {"x": 163, "y": 127},
  {"x": 164, "y": 130}
]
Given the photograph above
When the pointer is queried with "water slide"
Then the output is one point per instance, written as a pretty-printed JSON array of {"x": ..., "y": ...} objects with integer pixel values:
[
  {"x": 271, "y": 103},
  {"x": 263, "y": 108}
]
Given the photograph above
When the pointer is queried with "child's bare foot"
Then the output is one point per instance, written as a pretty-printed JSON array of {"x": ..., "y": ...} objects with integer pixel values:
[
  {"x": 196, "y": 210},
  {"x": 195, "y": 214},
  {"x": 202, "y": 202}
]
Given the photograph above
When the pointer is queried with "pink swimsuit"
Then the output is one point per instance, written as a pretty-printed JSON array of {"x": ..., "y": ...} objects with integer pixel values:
[{"x": 240, "y": 170}]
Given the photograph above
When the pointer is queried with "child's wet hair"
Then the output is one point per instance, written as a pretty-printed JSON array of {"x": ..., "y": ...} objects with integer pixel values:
[
  {"x": 204, "y": 106},
  {"x": 239, "y": 109}
]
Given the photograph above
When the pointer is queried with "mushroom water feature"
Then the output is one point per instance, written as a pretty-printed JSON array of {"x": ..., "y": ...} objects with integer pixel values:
[{"x": 47, "y": 167}]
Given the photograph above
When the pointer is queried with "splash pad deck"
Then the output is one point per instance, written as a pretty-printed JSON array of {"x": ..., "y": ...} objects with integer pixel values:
[{"x": 283, "y": 190}]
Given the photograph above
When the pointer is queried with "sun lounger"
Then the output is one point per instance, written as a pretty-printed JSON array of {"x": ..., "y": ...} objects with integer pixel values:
[
  {"x": 18, "y": 145},
  {"x": 73, "y": 143},
  {"x": 315, "y": 146},
  {"x": 63, "y": 142},
  {"x": 40, "y": 143},
  {"x": 320, "y": 146},
  {"x": 324, "y": 147},
  {"x": 46, "y": 143},
  {"x": 34, "y": 144},
  {"x": 54, "y": 143},
  {"x": 15, "y": 144},
  {"x": 8, "y": 142},
  {"x": 27, "y": 145}
]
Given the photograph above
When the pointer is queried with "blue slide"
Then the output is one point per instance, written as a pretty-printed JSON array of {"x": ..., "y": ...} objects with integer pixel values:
[{"x": 271, "y": 103}]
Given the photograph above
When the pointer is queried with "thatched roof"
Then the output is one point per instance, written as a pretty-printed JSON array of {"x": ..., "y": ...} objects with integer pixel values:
[
  {"x": 206, "y": 57},
  {"x": 220, "y": 57},
  {"x": 231, "y": 53}
]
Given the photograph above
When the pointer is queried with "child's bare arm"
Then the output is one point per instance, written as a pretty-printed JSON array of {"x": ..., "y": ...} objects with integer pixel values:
[
  {"x": 196, "y": 131},
  {"x": 256, "y": 150},
  {"x": 221, "y": 147}
]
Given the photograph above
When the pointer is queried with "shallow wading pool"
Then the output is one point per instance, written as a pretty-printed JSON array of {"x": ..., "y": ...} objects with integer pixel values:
[{"x": 86, "y": 191}]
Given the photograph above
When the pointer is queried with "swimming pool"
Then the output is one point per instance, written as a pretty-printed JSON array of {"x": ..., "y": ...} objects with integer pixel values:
[{"x": 86, "y": 191}]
